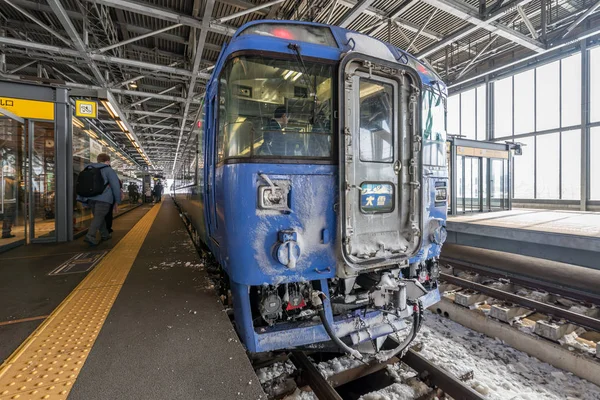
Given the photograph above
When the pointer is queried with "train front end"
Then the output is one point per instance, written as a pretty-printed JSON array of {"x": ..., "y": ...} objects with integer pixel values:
[{"x": 318, "y": 204}]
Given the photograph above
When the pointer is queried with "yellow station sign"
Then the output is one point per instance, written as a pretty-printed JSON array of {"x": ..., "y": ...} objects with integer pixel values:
[
  {"x": 33, "y": 109},
  {"x": 86, "y": 109}
]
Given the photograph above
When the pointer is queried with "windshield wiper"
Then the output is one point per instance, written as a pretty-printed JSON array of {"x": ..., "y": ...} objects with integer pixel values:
[{"x": 311, "y": 86}]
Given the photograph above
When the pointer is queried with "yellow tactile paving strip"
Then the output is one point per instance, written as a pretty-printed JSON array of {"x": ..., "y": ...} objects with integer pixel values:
[{"x": 47, "y": 364}]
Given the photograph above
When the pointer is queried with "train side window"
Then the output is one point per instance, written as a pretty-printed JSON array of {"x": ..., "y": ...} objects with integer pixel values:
[
  {"x": 376, "y": 112},
  {"x": 434, "y": 129},
  {"x": 220, "y": 110}
]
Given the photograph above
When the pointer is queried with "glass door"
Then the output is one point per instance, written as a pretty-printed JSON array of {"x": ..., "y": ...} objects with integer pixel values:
[
  {"x": 470, "y": 191},
  {"x": 42, "y": 182},
  {"x": 499, "y": 184},
  {"x": 12, "y": 180}
]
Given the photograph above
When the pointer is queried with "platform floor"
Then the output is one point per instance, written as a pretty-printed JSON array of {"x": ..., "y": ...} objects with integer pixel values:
[
  {"x": 564, "y": 236},
  {"x": 144, "y": 324},
  {"x": 564, "y": 222}
]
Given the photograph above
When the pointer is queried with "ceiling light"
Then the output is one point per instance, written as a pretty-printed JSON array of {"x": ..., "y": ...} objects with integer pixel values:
[
  {"x": 122, "y": 125},
  {"x": 91, "y": 133},
  {"x": 288, "y": 74},
  {"x": 133, "y": 85},
  {"x": 296, "y": 77},
  {"x": 109, "y": 107},
  {"x": 78, "y": 122}
]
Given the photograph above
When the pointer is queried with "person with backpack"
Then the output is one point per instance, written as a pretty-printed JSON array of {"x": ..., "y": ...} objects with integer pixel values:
[
  {"x": 109, "y": 216},
  {"x": 98, "y": 188}
]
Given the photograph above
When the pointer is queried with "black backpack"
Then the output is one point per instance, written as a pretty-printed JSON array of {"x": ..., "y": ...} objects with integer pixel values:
[{"x": 90, "y": 182}]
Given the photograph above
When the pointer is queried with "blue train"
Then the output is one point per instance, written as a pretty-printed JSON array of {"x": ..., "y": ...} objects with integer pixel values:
[{"x": 318, "y": 181}]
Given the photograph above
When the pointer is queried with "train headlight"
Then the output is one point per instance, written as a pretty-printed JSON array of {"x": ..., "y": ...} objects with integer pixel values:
[{"x": 274, "y": 196}]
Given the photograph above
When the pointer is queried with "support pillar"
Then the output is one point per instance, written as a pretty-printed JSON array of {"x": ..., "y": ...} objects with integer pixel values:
[
  {"x": 64, "y": 166},
  {"x": 585, "y": 106}
]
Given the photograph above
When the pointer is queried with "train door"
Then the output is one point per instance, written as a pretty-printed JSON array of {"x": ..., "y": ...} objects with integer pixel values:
[{"x": 378, "y": 226}]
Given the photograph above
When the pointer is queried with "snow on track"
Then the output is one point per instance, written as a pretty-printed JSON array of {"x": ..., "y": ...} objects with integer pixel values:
[{"x": 500, "y": 372}]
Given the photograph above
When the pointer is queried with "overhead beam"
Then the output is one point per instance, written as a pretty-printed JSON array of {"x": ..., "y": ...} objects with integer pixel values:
[
  {"x": 423, "y": 28},
  {"x": 65, "y": 21},
  {"x": 38, "y": 22},
  {"x": 166, "y": 127},
  {"x": 80, "y": 72},
  {"x": 405, "y": 37},
  {"x": 520, "y": 58},
  {"x": 470, "y": 15},
  {"x": 527, "y": 22},
  {"x": 248, "y": 11},
  {"x": 467, "y": 68},
  {"x": 145, "y": 99},
  {"x": 581, "y": 18},
  {"x": 160, "y": 135},
  {"x": 354, "y": 12},
  {"x": 381, "y": 15},
  {"x": 153, "y": 114},
  {"x": 404, "y": 7},
  {"x": 23, "y": 66},
  {"x": 208, "y": 10},
  {"x": 166, "y": 15},
  {"x": 99, "y": 57},
  {"x": 136, "y": 38}
]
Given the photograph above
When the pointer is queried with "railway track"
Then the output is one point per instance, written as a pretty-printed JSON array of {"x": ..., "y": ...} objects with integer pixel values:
[
  {"x": 309, "y": 378},
  {"x": 552, "y": 322},
  {"x": 559, "y": 311},
  {"x": 523, "y": 280}
]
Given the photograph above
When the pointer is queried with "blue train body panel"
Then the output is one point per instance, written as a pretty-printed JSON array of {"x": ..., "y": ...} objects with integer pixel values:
[
  {"x": 247, "y": 234},
  {"x": 276, "y": 219}
]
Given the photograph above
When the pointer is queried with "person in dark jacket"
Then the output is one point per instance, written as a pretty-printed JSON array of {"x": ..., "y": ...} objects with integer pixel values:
[
  {"x": 10, "y": 207},
  {"x": 158, "y": 190},
  {"x": 273, "y": 141},
  {"x": 109, "y": 217},
  {"x": 102, "y": 203}
]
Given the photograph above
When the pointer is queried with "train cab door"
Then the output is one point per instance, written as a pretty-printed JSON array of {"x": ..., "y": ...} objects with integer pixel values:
[{"x": 375, "y": 217}]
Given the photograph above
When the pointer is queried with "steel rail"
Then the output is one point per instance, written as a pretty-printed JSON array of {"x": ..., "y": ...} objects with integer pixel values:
[
  {"x": 313, "y": 377},
  {"x": 440, "y": 377},
  {"x": 524, "y": 280},
  {"x": 579, "y": 319}
]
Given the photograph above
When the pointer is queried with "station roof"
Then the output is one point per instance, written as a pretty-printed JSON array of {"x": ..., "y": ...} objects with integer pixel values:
[{"x": 153, "y": 57}]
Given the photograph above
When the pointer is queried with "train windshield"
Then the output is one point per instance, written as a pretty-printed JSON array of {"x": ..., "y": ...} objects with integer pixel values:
[
  {"x": 271, "y": 108},
  {"x": 434, "y": 129}
]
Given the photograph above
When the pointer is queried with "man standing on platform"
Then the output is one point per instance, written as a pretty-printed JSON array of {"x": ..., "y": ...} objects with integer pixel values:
[
  {"x": 158, "y": 190},
  {"x": 98, "y": 187},
  {"x": 9, "y": 205}
]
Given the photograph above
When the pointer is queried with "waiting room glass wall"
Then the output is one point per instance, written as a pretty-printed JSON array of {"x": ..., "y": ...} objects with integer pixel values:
[
  {"x": 541, "y": 108},
  {"x": 28, "y": 180},
  {"x": 12, "y": 184},
  {"x": 88, "y": 142}
]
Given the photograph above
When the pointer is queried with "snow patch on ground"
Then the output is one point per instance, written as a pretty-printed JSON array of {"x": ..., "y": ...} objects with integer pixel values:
[
  {"x": 499, "y": 371},
  {"x": 275, "y": 371},
  {"x": 300, "y": 395},
  {"x": 177, "y": 264},
  {"x": 337, "y": 365}
]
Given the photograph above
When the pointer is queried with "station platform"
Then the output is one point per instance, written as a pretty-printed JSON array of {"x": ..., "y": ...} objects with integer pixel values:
[
  {"x": 144, "y": 323},
  {"x": 565, "y": 236}
]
